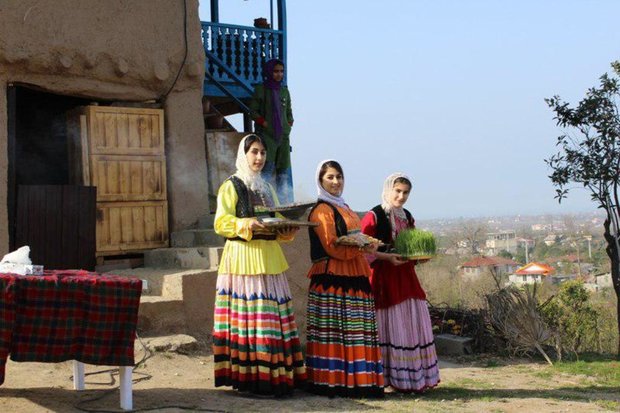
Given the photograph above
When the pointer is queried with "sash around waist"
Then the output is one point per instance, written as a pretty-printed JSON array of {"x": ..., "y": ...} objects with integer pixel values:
[{"x": 268, "y": 237}]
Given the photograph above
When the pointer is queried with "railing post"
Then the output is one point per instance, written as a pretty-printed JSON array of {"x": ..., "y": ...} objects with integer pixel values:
[
  {"x": 215, "y": 11},
  {"x": 282, "y": 29}
]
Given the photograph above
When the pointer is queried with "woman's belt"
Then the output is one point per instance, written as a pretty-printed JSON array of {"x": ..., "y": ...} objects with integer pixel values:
[{"x": 268, "y": 237}]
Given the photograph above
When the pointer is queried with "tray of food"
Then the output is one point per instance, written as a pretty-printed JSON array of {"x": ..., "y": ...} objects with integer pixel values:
[
  {"x": 357, "y": 239},
  {"x": 275, "y": 223},
  {"x": 415, "y": 244},
  {"x": 290, "y": 211}
]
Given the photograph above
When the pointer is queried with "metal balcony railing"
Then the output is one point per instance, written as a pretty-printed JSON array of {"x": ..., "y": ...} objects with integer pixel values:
[{"x": 236, "y": 54}]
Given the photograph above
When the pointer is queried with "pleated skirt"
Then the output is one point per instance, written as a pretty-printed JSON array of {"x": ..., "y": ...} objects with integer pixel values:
[
  {"x": 343, "y": 357},
  {"x": 407, "y": 346},
  {"x": 256, "y": 345}
]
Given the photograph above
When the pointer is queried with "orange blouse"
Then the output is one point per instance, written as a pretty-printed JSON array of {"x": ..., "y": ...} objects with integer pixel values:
[{"x": 343, "y": 260}]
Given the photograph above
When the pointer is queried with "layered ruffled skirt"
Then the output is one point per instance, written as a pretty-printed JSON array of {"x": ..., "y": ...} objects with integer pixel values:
[
  {"x": 343, "y": 356},
  {"x": 255, "y": 340},
  {"x": 407, "y": 346}
]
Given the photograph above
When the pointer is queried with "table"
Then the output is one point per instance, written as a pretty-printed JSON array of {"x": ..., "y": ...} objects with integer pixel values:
[{"x": 70, "y": 315}]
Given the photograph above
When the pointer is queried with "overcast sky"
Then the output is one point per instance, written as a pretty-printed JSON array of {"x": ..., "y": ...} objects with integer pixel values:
[{"x": 449, "y": 92}]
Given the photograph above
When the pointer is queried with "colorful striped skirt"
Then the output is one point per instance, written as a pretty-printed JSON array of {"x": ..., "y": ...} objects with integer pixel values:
[
  {"x": 342, "y": 356},
  {"x": 256, "y": 345},
  {"x": 407, "y": 346}
]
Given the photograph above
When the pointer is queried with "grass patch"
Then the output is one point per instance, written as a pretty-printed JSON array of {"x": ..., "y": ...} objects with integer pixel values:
[
  {"x": 543, "y": 374},
  {"x": 604, "y": 371},
  {"x": 473, "y": 384},
  {"x": 609, "y": 405}
]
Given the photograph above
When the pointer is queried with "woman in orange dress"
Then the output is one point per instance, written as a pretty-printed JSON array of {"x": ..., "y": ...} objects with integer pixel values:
[{"x": 342, "y": 356}]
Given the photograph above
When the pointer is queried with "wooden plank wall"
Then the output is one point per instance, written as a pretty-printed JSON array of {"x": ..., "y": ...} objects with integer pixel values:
[{"x": 58, "y": 223}]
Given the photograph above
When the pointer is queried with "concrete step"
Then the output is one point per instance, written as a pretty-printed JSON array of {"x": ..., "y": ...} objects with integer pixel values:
[
  {"x": 188, "y": 258},
  {"x": 160, "y": 315},
  {"x": 196, "y": 238},
  {"x": 206, "y": 221},
  {"x": 176, "y": 300}
]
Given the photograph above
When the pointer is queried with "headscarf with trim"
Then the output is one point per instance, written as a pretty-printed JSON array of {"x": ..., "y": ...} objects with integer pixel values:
[
  {"x": 253, "y": 180},
  {"x": 323, "y": 194},
  {"x": 386, "y": 204},
  {"x": 276, "y": 105}
]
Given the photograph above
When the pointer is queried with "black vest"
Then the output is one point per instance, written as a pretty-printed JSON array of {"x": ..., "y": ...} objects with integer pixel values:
[
  {"x": 384, "y": 228},
  {"x": 245, "y": 207},
  {"x": 317, "y": 252}
]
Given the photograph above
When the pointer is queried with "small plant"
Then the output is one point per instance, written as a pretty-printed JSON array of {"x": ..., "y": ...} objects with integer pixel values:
[{"x": 415, "y": 243}]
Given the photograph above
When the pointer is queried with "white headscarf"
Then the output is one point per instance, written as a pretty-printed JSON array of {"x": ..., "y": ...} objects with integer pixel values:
[
  {"x": 388, "y": 185},
  {"x": 252, "y": 180},
  {"x": 323, "y": 194}
]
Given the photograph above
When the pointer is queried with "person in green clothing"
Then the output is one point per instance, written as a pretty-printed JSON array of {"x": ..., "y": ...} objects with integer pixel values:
[{"x": 273, "y": 119}]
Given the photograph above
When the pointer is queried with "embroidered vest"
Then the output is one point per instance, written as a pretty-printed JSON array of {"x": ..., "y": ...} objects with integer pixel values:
[
  {"x": 246, "y": 200},
  {"x": 384, "y": 228},
  {"x": 317, "y": 252}
]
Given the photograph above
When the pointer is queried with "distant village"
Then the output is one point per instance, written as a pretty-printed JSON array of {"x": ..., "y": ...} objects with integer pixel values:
[{"x": 527, "y": 249}]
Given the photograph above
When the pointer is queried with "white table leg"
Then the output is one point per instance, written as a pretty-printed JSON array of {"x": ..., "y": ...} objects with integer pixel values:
[
  {"x": 78, "y": 375},
  {"x": 126, "y": 394}
]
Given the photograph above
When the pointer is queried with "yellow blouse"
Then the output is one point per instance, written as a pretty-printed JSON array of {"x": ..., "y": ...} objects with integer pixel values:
[{"x": 250, "y": 257}]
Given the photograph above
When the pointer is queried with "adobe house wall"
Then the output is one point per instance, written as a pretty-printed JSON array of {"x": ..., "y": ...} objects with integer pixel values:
[{"x": 117, "y": 50}]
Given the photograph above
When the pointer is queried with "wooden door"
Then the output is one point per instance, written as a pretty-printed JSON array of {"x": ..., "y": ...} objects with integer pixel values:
[
  {"x": 58, "y": 223},
  {"x": 121, "y": 152}
]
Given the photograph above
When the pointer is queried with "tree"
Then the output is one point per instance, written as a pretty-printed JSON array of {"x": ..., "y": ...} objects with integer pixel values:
[
  {"x": 505, "y": 254},
  {"x": 470, "y": 234},
  {"x": 590, "y": 155}
]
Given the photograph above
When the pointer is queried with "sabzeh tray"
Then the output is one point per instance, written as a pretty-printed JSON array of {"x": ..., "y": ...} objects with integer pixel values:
[{"x": 417, "y": 257}]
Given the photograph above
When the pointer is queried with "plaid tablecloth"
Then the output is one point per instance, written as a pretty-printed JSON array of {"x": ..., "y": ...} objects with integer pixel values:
[{"x": 68, "y": 315}]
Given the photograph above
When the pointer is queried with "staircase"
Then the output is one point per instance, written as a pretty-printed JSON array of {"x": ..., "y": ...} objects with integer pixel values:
[{"x": 180, "y": 283}]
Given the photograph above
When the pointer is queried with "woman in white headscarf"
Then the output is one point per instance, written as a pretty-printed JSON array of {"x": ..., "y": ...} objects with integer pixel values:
[
  {"x": 405, "y": 330},
  {"x": 256, "y": 345},
  {"x": 342, "y": 353}
]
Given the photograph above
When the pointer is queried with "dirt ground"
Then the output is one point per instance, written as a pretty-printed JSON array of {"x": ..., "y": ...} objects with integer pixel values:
[{"x": 171, "y": 382}]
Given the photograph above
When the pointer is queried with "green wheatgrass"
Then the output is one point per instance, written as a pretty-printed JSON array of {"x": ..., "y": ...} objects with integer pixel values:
[{"x": 415, "y": 242}]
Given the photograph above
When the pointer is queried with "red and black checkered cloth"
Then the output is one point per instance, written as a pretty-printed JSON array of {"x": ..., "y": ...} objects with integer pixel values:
[{"x": 68, "y": 315}]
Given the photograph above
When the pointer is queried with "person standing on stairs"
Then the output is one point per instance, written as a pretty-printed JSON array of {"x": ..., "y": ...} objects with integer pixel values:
[
  {"x": 273, "y": 120},
  {"x": 256, "y": 344}
]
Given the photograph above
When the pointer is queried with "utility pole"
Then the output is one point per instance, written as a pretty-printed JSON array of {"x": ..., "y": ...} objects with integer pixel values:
[
  {"x": 589, "y": 239},
  {"x": 527, "y": 251}
]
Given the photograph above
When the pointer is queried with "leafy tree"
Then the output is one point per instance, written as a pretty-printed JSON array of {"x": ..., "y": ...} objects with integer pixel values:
[
  {"x": 520, "y": 255},
  {"x": 505, "y": 254},
  {"x": 590, "y": 155}
]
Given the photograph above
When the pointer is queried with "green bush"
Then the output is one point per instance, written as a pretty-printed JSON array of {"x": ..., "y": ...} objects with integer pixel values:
[{"x": 573, "y": 318}]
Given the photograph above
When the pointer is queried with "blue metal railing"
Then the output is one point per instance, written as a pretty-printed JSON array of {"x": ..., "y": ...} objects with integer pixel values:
[{"x": 236, "y": 54}]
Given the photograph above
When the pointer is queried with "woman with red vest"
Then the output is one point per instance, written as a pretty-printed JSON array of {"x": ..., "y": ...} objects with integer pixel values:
[
  {"x": 405, "y": 330},
  {"x": 342, "y": 354}
]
